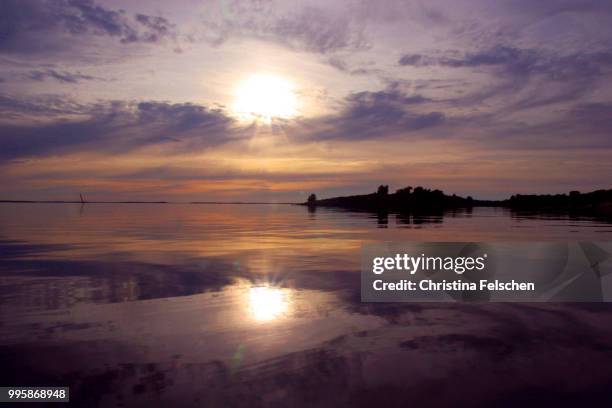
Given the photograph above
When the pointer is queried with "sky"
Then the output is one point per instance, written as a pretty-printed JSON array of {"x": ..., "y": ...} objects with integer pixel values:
[{"x": 230, "y": 100}]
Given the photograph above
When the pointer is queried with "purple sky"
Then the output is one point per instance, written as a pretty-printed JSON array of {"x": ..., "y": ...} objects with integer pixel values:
[{"x": 264, "y": 100}]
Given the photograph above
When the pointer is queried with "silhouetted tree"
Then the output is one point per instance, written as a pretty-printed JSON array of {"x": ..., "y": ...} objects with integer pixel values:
[
  {"x": 383, "y": 190},
  {"x": 312, "y": 198},
  {"x": 404, "y": 191}
]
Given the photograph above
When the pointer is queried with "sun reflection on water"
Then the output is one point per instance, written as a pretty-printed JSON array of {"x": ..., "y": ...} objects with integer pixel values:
[{"x": 267, "y": 303}]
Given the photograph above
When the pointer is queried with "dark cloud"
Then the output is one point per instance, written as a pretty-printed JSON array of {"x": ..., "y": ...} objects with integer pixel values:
[
  {"x": 513, "y": 59},
  {"x": 158, "y": 27},
  {"x": 411, "y": 59},
  {"x": 523, "y": 78},
  {"x": 391, "y": 96},
  {"x": 113, "y": 127},
  {"x": 393, "y": 112},
  {"x": 521, "y": 62},
  {"x": 181, "y": 117},
  {"x": 28, "y": 26},
  {"x": 61, "y": 76},
  {"x": 500, "y": 55},
  {"x": 380, "y": 114}
]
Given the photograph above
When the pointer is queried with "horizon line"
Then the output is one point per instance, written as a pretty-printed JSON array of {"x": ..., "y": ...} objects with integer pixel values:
[
  {"x": 5, "y": 201},
  {"x": 139, "y": 202}
]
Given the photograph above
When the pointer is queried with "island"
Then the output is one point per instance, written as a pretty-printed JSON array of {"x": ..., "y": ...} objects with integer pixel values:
[{"x": 420, "y": 199}]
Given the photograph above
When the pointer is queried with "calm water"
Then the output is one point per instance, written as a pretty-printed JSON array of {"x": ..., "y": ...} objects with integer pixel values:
[{"x": 235, "y": 305}]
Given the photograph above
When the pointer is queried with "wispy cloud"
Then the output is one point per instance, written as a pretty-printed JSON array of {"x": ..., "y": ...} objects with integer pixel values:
[
  {"x": 298, "y": 26},
  {"x": 61, "y": 76},
  {"x": 41, "y": 26}
]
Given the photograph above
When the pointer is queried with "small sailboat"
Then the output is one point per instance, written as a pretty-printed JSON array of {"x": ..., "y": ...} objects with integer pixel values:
[{"x": 82, "y": 199}]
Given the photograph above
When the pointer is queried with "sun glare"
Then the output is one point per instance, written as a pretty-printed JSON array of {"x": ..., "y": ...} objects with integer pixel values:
[
  {"x": 267, "y": 303},
  {"x": 264, "y": 98}
]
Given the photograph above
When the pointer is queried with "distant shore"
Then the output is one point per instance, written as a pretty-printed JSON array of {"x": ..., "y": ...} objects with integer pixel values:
[{"x": 419, "y": 199}]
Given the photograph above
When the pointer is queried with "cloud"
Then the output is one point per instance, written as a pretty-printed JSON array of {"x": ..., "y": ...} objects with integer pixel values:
[
  {"x": 584, "y": 125},
  {"x": 60, "y": 76},
  {"x": 181, "y": 117},
  {"x": 306, "y": 28},
  {"x": 499, "y": 55},
  {"x": 158, "y": 27},
  {"x": 411, "y": 60},
  {"x": 33, "y": 26},
  {"x": 343, "y": 66},
  {"x": 391, "y": 96},
  {"x": 396, "y": 113},
  {"x": 513, "y": 59},
  {"x": 522, "y": 79},
  {"x": 315, "y": 30},
  {"x": 53, "y": 125},
  {"x": 40, "y": 107},
  {"x": 520, "y": 62},
  {"x": 372, "y": 115},
  {"x": 579, "y": 128},
  {"x": 112, "y": 127}
]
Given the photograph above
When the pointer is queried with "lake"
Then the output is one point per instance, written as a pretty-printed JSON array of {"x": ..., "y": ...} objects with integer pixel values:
[{"x": 259, "y": 305}]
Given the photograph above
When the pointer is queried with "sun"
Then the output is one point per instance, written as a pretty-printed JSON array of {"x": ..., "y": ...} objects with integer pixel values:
[{"x": 263, "y": 97}]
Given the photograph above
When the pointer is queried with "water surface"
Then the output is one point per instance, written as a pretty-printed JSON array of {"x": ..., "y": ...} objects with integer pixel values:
[{"x": 234, "y": 305}]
